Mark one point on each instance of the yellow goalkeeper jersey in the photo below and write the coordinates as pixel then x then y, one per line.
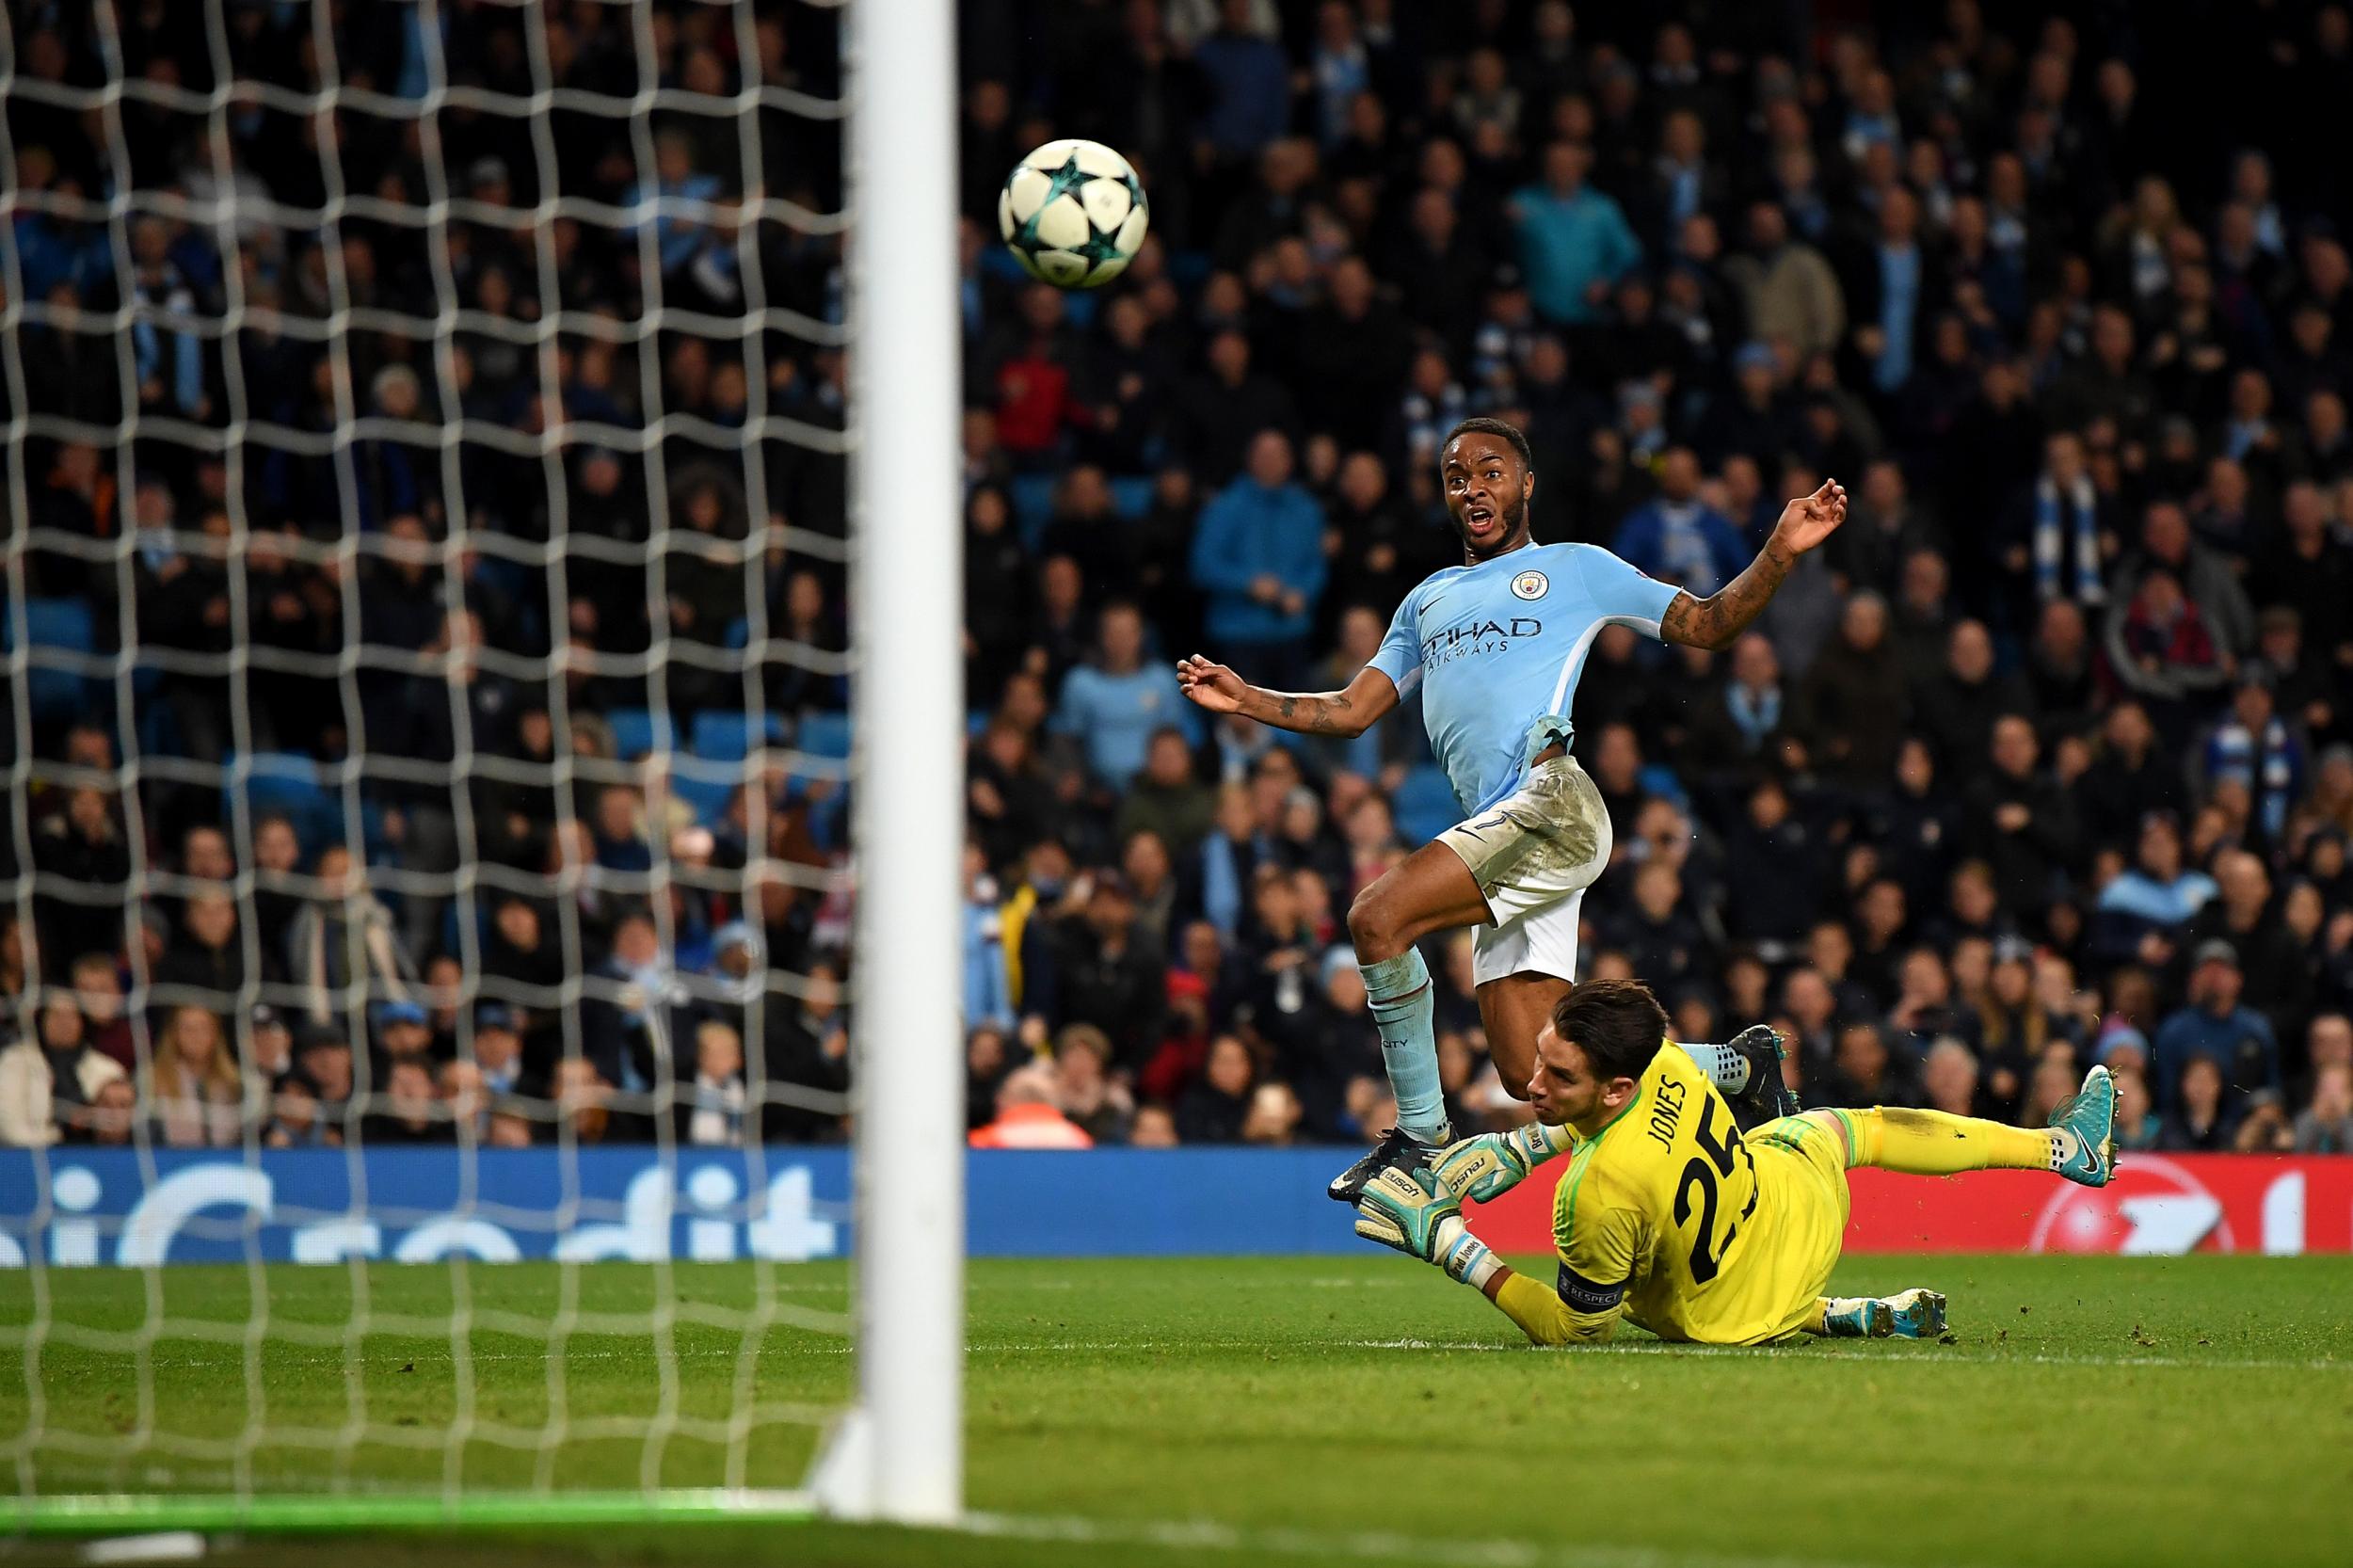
pixel 1702 1234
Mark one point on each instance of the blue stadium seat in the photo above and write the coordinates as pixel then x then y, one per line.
pixel 722 736
pixel 823 734
pixel 634 733
pixel 1424 807
pixel 707 791
pixel 67 626
pixel 287 784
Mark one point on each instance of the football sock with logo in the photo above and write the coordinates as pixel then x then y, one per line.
pixel 1933 1142
pixel 1397 990
pixel 1842 1316
pixel 1726 1068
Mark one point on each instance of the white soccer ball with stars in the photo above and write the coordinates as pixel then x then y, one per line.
pixel 1073 213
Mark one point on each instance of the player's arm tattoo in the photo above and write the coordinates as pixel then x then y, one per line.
pixel 1347 712
pixel 1311 712
pixel 1718 620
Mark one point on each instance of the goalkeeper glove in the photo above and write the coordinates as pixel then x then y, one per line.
pixel 1481 1169
pixel 1408 1210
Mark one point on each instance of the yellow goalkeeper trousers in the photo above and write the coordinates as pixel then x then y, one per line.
pixel 1934 1142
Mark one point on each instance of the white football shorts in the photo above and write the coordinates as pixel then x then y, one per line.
pixel 1534 854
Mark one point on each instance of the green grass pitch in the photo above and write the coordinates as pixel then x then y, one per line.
pixel 1360 1409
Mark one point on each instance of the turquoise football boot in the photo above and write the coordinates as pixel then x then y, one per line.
pixel 2083 1141
pixel 1916 1314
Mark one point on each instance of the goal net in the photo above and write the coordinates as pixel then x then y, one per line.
pixel 443 729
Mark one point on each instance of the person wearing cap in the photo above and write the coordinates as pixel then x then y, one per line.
pixel 739 957
pixel 268 1043
pixel 498 1047
pixel 2214 1025
pixel 323 1056
pixel 2120 1048
pixel 403 1033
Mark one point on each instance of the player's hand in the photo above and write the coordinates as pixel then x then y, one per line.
pixel 1210 684
pixel 1401 1208
pixel 1811 518
pixel 1481 1169
pixel 1410 1212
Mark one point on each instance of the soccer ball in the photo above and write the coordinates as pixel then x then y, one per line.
pixel 1073 213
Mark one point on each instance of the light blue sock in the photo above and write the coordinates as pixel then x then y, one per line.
pixel 1403 1009
pixel 1726 1068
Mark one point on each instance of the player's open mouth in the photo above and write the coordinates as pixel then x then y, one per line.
pixel 1478 517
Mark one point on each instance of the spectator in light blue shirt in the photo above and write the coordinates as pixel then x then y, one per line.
pixel 1114 706
pixel 173 360
pixel 1902 289
pixel 988 987
pixel 1258 554
pixel 1250 84
pixel 2155 898
pixel 1341 68
pixel 679 237
pixel 1575 241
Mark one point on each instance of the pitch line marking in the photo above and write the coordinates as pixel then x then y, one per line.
pixel 1363 1545
pixel 324 1354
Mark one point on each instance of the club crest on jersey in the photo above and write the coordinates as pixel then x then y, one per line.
pixel 1531 585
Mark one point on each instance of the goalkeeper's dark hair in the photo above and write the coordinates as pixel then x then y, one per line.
pixel 1502 429
pixel 1617 1023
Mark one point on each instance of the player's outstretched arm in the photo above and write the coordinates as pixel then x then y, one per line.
pixel 1408 1210
pixel 1348 713
pixel 1543 1317
pixel 1718 620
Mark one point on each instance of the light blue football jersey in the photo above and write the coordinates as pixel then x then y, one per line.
pixel 1498 647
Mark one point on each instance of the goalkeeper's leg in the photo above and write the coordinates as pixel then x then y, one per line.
pixel 2078 1144
pixel 1914 1314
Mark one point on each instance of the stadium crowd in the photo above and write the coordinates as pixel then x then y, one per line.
pixel 2045 759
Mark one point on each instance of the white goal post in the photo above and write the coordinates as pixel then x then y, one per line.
pixel 894 1452
pixel 901 1453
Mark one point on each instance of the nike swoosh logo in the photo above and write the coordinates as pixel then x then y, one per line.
pixel 1426 608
